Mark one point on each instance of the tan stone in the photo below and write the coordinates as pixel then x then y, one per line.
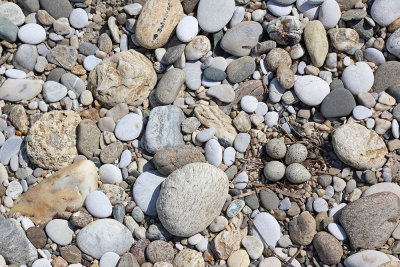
pixel 51 141
pixel 19 118
pixel 228 241
pixel 189 258
pixel 44 18
pixel 316 42
pixel 394 25
pixel 242 122
pixel 126 77
pixel 213 117
pixel 157 22
pixel 343 38
pixel 66 189
pixel 239 259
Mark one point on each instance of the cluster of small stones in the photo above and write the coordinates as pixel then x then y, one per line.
pixel 180 133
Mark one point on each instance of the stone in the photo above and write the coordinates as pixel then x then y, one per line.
pixel 387 75
pixel 338 103
pixel 343 39
pixel 214 16
pixel 266 228
pixel 361 113
pixel 384 12
pixel 311 90
pixel 239 258
pixel 285 30
pixel 193 74
pixel 277 57
pixel 222 92
pixel 104 235
pixel 329 13
pixel 129 127
pixel 328 248
pixel 73 83
pixel 78 18
pixel 8 30
pixel 240 39
pixel 302 229
pixel 59 232
pixel 25 58
pixel 374 55
pixel 197 48
pixel 189 257
pixel 53 91
pixel 359 147
pixel 157 21
pixel 10 148
pixel 14 245
pixel 57 9
pixel 51 141
pixel 71 254
pixel 159 250
pixel 297 173
pixel 98 205
pixel 128 260
pixel 173 212
pixel 214 74
pixel 164 128
pixel 134 73
pixel 382 187
pixel 274 170
pixel 392 43
pixel 20 89
pixel 109 259
pixel 63 56
pixel 81 218
pixel 366 215
pixel 370 258
pixel 316 42
pixel 276 148
pixel 240 69
pixel 29 5
pixel 169 86
pixel 214 117
pixel 269 200
pixel 12 12
pixel 170 159
pixel 19 118
pixel 146 191
pixel 285 77
pixel 88 138
pixel 253 246
pixel 37 237
pixel 187 29
pixel 111 153
pixel 42 202
pixel 278 9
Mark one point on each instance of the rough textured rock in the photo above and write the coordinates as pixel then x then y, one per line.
pixel 126 77
pixel 359 147
pixel 164 128
pixel 19 118
pixel 14 245
pixel 329 249
pixel 213 117
pixel 63 56
pixel 189 257
pixel 191 197
pixel 302 229
pixel 367 224
pixel 88 138
pixel 173 158
pixel 316 42
pixel 386 75
pixel 157 21
pixel 253 88
pixel 66 189
pixel 51 141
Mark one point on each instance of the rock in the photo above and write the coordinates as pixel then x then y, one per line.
pixel 361 113
pixel 12 12
pixel 174 51
pixel 8 30
pixel 37 236
pixel 193 74
pixel 274 170
pixel 134 73
pixel 213 152
pixel 366 215
pixel 173 212
pixel 214 74
pixel 213 117
pixel 78 18
pixel 81 218
pixel 387 75
pixel 297 173
pixel 370 258
pixel 20 89
pixel 266 228
pixel 10 148
pixel 343 39
pixel 104 235
pixel 308 8
pixel 384 12
pixel 278 9
pixel 189 257
pixel 14 245
pixel 338 103
pixel 239 258
pixel 98 205
pixel 392 43
pixel 59 232
pixel 222 92
pixel 316 42
pixel 374 55
pixel 159 250
pixel 197 48
pixel 169 86
pixel 240 69
pixel 115 193
pixel 171 159
pixel 88 138
pixel 329 13
pixel 25 58
pixel 19 118
pixel 128 260
pixel 240 39
pixel 229 240
pixel 382 187
pixel 157 21
pixel 146 191
pixel 71 254
pixel 253 246
pixel 277 57
pixel 51 142
pixel 45 200
pixel 285 77
pixel 285 30
pixel 214 16
pixel 302 229
pixel 359 147
pixel 58 8
pixel 164 128
pixel 29 5
pixel 329 249
pixel 187 29
pixel 53 91
pixel 63 56
pixel 111 153
pixel 73 83
pixel 129 127
pixel 276 148
pixel 109 259
pixel 311 90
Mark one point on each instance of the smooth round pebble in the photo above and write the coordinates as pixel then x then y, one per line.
pixel 274 170
pixel 98 204
pixel 109 259
pixel 213 152
pixel 32 33
pixel 78 18
pixel 320 205
pixel 129 127
pixel 229 156
pixel 276 148
pixel 249 103
pixel 59 231
pixel 110 174
pixel 187 29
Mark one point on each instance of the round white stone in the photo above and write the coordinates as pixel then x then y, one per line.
pixel 241 142
pixel 32 33
pixel 15 74
pixel 41 263
pixel 12 12
pixel 361 113
pixel 98 204
pixel 213 152
pixel 240 181
pixel 78 18
pixel 267 227
pixel 59 232
pixel 358 78
pixel 337 231
pixel 125 159
pixel 129 127
pixel 329 14
pixel 187 29
pixel 109 259
pixel 229 156
pixel 14 190
pixel 271 118
pixel 91 62
pixel 53 91
pixel 311 90
pixel 146 190
pixel 385 12
pixel 320 205
pixel 110 174
pixel 278 9
pixel 249 103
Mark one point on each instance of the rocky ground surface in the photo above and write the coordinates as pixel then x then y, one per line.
pixel 199 133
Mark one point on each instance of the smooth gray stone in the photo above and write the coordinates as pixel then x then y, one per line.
pixel 25 58
pixel 8 30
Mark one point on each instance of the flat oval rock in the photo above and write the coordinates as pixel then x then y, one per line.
pixel 214 15
pixel 340 102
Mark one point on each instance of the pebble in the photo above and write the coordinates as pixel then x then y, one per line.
pixel 98 204
pixel 205 135
pixel 358 78
pixel 369 258
pixel 15 74
pixel 25 58
pixel 316 41
pixel 235 207
pixel 32 34
pixel 109 259
pixel 41 263
pixel 266 226
pixel 187 29
pixel 239 258
pixel 91 62
pixel 193 74
pixel 271 118
pixel 78 18
pixel 384 12
pixel 146 187
pixel 249 103
pixel 308 9
pixel 197 48
pixel 329 13
pixel 278 9
pixel 374 55
pixel 53 91
pixel 73 83
pixel 129 127
pixel 337 231
pixel 213 152
pixel 213 16
pixel 229 156
pixel 59 232
pixel 361 113
pixel 169 86
pixel 253 246
pixel 110 174
pixel 8 30
pixel 274 170
pixel 311 90
pixel 12 12
pixel 297 173
pixel 14 190
pixel 222 92
pixel 328 248
pixel 320 205
pixel 240 181
pixel 338 103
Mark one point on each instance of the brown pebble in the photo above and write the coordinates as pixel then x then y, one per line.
pixel 71 254
pixel 138 250
pixel 59 262
pixel 81 218
pixel 37 237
